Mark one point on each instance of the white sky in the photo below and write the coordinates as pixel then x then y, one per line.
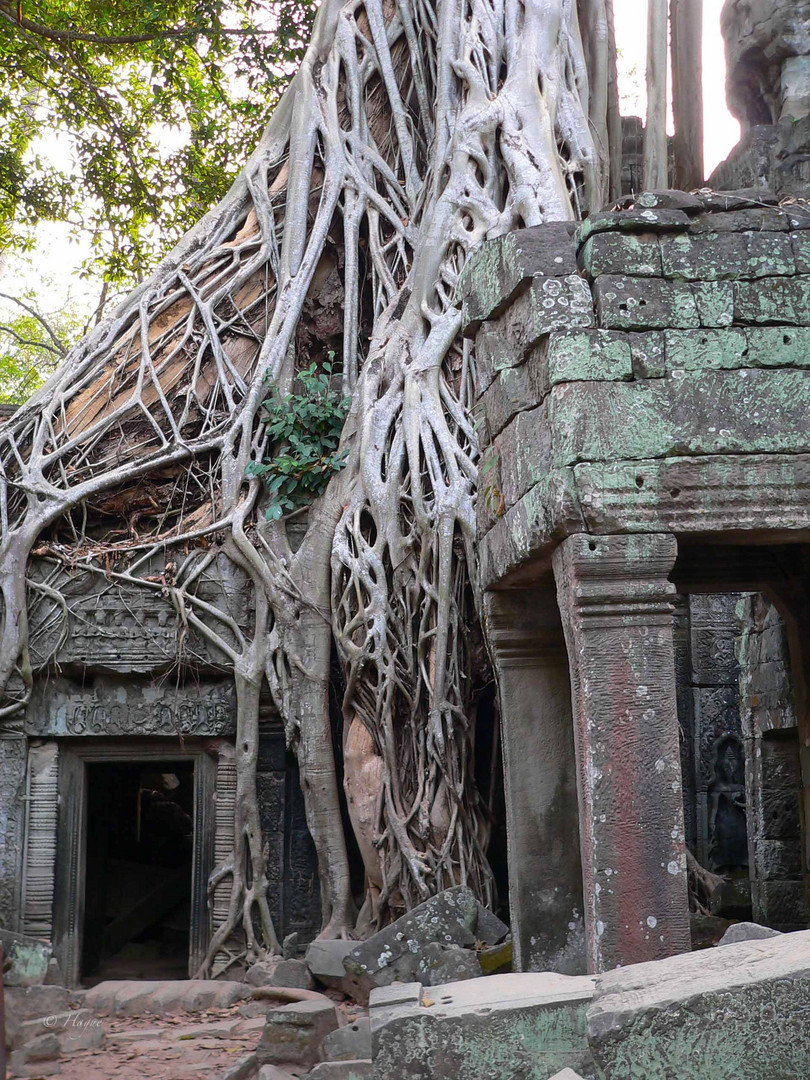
pixel 60 258
pixel 722 131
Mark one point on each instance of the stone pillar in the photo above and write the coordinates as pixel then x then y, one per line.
pixel 545 876
pixel 616 606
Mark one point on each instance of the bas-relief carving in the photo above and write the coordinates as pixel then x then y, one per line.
pixel 124 628
pixel 114 708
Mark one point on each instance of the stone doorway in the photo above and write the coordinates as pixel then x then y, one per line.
pixel 137 889
pixel 136 828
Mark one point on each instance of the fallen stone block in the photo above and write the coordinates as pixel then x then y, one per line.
pixel 276 971
pixel 719 1012
pixel 566 1074
pixel 507 1026
pixel 325 960
pixel 272 1072
pixel 747 931
pixel 79 1029
pixel 454 917
pixel 25 959
pixel 164 998
pixel 439 964
pixel 342 1070
pixel 349 1043
pixel 293 1034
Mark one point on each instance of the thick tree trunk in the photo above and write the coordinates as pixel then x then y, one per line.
pixel 656 168
pixel 686 18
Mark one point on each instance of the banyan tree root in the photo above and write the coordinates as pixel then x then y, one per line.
pixel 414 130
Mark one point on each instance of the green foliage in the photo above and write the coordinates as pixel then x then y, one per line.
pixel 304 428
pixel 31 346
pixel 130 119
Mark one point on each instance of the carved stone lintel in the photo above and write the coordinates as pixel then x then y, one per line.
pixel 616 605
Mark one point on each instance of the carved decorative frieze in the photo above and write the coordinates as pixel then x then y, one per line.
pixel 12 825
pixel 115 709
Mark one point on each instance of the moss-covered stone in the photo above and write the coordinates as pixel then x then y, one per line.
pixel 617 253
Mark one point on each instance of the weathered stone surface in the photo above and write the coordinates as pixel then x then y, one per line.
pixel 726 256
pixel 773 300
pixel 640 220
pixel 695 350
pixel 439 964
pixel 647 351
pixel 451 918
pixel 496 270
pixel 747 931
pixel 272 1072
pixel 629 304
pixel 79 1029
pixel 351 1042
pixel 294 1033
pixel 513 390
pixel 25 960
pixel 757 219
pixel 616 606
pixel 342 1070
pixel 168 997
pixel 566 1074
pixel 513 1027
pixel 13 758
pixel 325 960
pixel 618 253
pixel 276 971
pixel 595 355
pixel 670 199
pixel 700 1015
pixel 524 451
pixel 714 412
pixel 42 1048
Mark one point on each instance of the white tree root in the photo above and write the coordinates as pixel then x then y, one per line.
pixel 414 130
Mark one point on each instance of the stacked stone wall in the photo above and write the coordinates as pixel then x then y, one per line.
pixel 635 374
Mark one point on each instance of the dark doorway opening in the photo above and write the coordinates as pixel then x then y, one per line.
pixel 140 838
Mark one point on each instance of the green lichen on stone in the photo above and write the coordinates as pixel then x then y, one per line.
pixel 777 301
pixel 715 302
pixel 692 350
pixel 618 253
pixel 711 412
pixel 595 355
pixel 726 257
pixel 778 346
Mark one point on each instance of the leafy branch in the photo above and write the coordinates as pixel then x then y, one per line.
pixel 305 429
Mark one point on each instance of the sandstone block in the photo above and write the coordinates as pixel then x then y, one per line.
pixel 747 931
pixel 505 1026
pixel 648 355
pixel 277 971
pixel 773 300
pixel 625 303
pixel 342 1070
pixel 755 219
pixel 498 268
pixel 294 1033
pixel 670 199
pixel 712 412
pixel 620 253
pixel 591 355
pixel 727 256
pixel 325 960
pixel 693 350
pixel 272 1072
pixel 393 954
pixel 513 390
pixel 728 1011
pixel 438 964
pixel 524 450
pixel 349 1043
pixel 642 219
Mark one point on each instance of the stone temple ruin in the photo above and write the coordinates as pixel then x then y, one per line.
pixel 643 524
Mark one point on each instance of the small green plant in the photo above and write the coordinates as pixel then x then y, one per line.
pixel 304 429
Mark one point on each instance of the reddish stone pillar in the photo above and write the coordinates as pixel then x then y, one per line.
pixel 616 607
